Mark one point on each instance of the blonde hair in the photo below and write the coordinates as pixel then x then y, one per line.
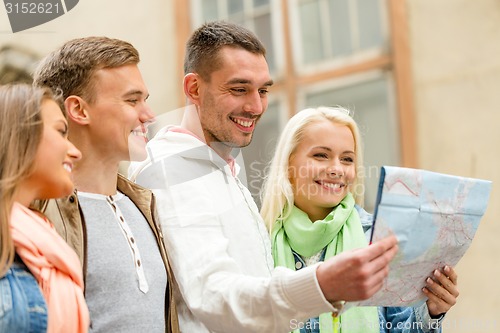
pixel 277 194
pixel 21 130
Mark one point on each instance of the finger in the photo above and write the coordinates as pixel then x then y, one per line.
pixel 380 247
pixel 436 300
pixel 441 292
pixel 435 304
pixel 446 282
pixel 451 274
pixel 377 277
pixel 382 261
pixel 376 287
pixel 433 298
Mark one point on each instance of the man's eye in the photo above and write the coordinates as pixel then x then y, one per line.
pixel 263 91
pixel 238 90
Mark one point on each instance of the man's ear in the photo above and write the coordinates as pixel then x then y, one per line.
pixel 75 107
pixel 192 87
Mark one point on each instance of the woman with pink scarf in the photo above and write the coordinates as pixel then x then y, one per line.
pixel 41 284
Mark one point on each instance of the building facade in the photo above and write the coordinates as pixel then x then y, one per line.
pixel 420 76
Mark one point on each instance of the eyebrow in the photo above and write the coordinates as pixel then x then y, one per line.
pixel 321 147
pixel 269 83
pixel 329 149
pixel 135 92
pixel 246 81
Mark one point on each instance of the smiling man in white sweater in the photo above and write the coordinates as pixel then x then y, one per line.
pixel 218 245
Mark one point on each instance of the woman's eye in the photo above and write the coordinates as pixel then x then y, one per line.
pixel 348 159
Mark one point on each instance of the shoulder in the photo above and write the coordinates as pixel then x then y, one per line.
pixel 140 196
pixel 126 186
pixel 23 306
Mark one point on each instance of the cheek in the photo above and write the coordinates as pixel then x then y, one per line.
pixel 296 174
pixel 352 172
pixel 45 153
pixel 350 175
pixel 296 181
pixel 303 171
pixel 303 182
pixel 265 103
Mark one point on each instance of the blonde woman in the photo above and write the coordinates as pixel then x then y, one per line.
pixel 311 203
pixel 41 285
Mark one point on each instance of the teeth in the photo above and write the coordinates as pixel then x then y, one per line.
pixel 67 167
pixel 243 123
pixel 332 185
pixel 137 133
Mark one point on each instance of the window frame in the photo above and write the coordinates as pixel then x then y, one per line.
pixel 332 63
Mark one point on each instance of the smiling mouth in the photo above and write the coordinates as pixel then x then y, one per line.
pixel 141 131
pixel 141 134
pixel 68 167
pixel 333 186
pixel 243 123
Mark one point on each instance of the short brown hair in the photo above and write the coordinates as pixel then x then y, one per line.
pixel 70 68
pixel 203 47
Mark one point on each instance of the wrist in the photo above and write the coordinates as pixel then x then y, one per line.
pixel 338 306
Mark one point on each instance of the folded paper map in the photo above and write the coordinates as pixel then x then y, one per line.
pixel 434 217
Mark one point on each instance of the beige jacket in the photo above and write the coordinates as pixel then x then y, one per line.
pixel 68 220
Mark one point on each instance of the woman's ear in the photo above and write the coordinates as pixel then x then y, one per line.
pixel 75 108
pixel 192 87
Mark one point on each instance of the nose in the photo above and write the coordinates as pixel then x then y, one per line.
pixel 255 103
pixel 146 115
pixel 73 152
pixel 335 169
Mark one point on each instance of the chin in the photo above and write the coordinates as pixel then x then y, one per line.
pixel 332 203
pixel 58 191
pixel 242 143
pixel 137 151
pixel 67 189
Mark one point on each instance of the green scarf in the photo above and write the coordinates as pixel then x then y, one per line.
pixel 340 231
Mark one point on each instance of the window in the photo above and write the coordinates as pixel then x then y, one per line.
pixel 338 30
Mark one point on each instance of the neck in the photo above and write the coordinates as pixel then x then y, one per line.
pixel 314 214
pixel 222 150
pixel 24 195
pixel 191 122
pixel 319 216
pixel 96 176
